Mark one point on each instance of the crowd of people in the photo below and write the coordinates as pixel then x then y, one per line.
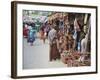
pixel 29 32
pixel 64 36
pixel 61 35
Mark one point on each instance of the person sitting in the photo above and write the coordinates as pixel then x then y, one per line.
pixel 84 44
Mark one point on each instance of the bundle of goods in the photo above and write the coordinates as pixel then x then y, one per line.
pixel 67 57
pixel 76 55
pixel 75 59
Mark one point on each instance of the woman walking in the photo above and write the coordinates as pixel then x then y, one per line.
pixel 31 35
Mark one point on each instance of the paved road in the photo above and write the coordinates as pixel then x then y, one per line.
pixel 37 56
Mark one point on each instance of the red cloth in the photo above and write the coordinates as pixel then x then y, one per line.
pixel 25 32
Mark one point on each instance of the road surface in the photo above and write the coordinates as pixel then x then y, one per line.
pixel 37 56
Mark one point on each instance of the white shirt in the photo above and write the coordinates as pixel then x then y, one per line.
pixel 51 35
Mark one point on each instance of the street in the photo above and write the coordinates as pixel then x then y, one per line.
pixel 37 56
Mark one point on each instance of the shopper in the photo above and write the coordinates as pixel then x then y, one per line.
pixel 25 30
pixel 31 35
pixel 42 33
pixel 52 37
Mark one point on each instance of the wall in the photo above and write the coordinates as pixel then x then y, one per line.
pixel 5 40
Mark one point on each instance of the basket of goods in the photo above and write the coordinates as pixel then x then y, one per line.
pixel 76 55
pixel 66 52
pixel 64 56
pixel 76 63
